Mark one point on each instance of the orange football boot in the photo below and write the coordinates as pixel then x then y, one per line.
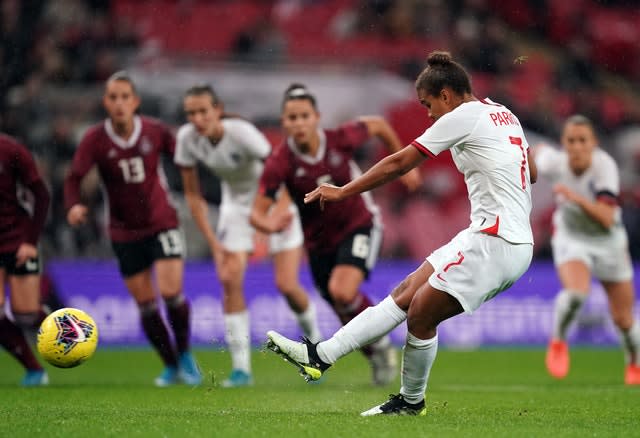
pixel 632 375
pixel 557 359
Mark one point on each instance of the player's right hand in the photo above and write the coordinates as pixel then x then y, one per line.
pixel 280 220
pixel 25 252
pixel 77 215
pixel 324 192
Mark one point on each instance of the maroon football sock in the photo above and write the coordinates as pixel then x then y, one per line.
pixel 157 333
pixel 179 312
pixel 13 340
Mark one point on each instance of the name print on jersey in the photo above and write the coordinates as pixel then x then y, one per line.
pixel 501 118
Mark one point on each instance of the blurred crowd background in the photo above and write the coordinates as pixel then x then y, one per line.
pixel 543 59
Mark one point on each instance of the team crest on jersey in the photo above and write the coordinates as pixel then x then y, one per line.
pixel 335 159
pixel 112 153
pixel 300 172
pixel 145 146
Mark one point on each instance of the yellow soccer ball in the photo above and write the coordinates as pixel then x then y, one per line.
pixel 67 338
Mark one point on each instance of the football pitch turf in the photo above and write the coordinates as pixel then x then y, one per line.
pixel 480 393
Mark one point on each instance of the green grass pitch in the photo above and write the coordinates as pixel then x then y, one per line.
pixel 488 393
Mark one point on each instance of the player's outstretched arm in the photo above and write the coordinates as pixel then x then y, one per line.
pixel 387 169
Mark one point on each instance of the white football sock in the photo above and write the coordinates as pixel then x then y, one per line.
pixel 367 327
pixel 631 343
pixel 309 323
pixel 418 356
pixel 566 307
pixel 237 338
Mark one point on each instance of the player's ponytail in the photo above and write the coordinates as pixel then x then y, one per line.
pixel 442 71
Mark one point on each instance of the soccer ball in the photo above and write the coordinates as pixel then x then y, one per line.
pixel 67 337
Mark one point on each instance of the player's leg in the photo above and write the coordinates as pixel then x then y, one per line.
pixel 621 302
pixel 456 285
pixel 14 341
pixel 428 309
pixel 287 273
pixel 168 254
pixel 135 260
pixel 368 326
pixel 141 288
pixel 25 301
pixel 356 257
pixel 575 277
pixel 231 271
pixel 349 301
pixel 169 275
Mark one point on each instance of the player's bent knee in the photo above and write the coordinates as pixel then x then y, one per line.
pixel 421 327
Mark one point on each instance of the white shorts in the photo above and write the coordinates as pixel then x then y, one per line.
pixel 234 231
pixel 291 237
pixel 475 267
pixel 608 260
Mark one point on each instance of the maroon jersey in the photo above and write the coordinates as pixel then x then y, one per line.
pixel 324 229
pixel 139 204
pixel 23 198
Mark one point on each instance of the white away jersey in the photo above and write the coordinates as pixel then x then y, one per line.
pixel 237 159
pixel 600 181
pixel 489 148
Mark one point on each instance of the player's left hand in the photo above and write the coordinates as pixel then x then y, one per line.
pixel 412 179
pixel 323 193
pixel 25 252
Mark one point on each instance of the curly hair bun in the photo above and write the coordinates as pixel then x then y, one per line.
pixel 439 59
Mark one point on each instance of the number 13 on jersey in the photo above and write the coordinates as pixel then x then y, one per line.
pixel 132 169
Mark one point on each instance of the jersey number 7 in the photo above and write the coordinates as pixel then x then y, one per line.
pixel 517 141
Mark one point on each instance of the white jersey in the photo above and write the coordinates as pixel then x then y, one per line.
pixel 489 148
pixel 600 180
pixel 237 159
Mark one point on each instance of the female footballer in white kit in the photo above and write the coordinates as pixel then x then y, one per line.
pixel 589 238
pixel 234 150
pixel 488 146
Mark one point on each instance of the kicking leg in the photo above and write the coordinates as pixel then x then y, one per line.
pixel 365 328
